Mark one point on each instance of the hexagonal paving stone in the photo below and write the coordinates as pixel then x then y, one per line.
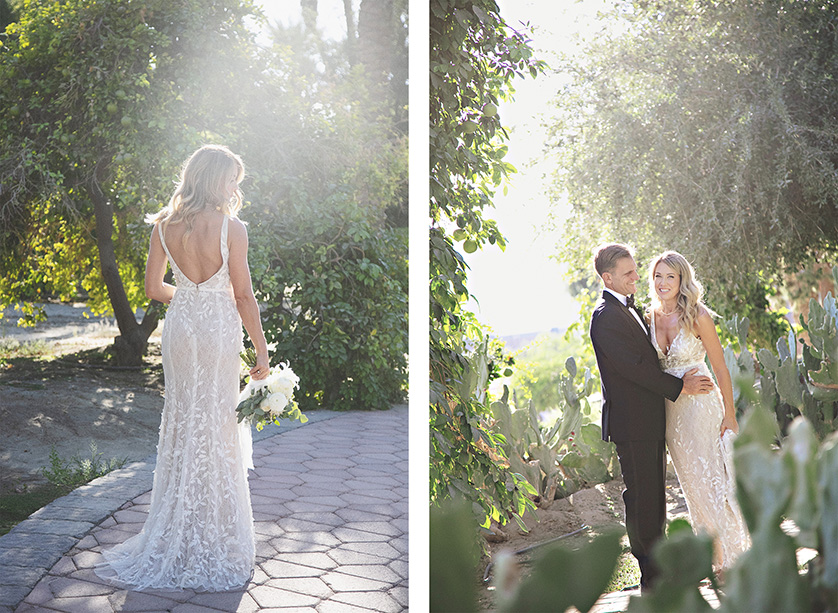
pixel 400 567
pixel 400 595
pixel 129 516
pixel 347 535
pixel 294 545
pixel 311 586
pixel 139 601
pixel 334 606
pixel 392 510
pixel 331 503
pixel 316 560
pixel 88 604
pixel 237 600
pixel 267 528
pixel 73 588
pixel 292 524
pixel 321 517
pixel 342 556
pixel 383 550
pixel 376 527
pixel 267 596
pixel 370 571
pixel 64 566
pixel 276 569
pixel 341 582
pixel 371 496
pixel 319 538
pixel 377 601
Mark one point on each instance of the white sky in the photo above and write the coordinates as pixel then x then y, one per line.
pixel 521 290
pixel 330 19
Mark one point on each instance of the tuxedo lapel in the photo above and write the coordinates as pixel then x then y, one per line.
pixel 612 299
pixel 643 320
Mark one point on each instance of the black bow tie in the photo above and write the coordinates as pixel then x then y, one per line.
pixel 630 301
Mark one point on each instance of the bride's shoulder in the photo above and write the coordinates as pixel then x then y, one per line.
pixel 705 314
pixel 704 323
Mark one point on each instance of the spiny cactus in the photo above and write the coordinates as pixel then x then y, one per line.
pixel 568 455
pixel 809 386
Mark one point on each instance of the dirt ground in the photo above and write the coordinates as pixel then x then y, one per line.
pixel 54 403
pixel 596 508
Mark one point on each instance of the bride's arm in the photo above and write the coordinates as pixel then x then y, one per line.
pixel 245 300
pixel 155 270
pixel 706 330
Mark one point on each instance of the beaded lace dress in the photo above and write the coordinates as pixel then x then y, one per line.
pixel 199 530
pixel 702 459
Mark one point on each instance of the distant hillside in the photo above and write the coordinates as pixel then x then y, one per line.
pixel 515 342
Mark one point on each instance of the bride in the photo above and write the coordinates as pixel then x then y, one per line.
pixel 199 530
pixel 699 429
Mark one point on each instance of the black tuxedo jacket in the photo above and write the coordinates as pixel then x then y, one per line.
pixel 633 385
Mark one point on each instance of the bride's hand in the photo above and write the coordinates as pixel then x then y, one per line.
pixel 729 423
pixel 261 369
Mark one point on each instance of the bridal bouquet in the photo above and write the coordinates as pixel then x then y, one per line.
pixel 270 399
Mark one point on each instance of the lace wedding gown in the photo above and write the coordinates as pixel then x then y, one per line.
pixel 199 530
pixel 703 460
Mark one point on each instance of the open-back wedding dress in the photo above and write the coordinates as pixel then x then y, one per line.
pixel 703 460
pixel 199 531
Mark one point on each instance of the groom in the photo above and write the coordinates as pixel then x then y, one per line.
pixel 633 407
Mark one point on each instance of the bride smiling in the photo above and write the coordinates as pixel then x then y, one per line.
pixel 699 428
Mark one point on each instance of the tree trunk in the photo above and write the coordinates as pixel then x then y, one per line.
pixel 376 37
pixel 309 10
pixel 130 346
pixel 351 32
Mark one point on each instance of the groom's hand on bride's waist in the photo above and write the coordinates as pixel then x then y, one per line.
pixel 696 384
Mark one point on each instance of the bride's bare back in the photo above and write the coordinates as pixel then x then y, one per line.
pixel 201 258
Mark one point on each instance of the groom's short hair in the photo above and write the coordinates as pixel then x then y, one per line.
pixel 606 256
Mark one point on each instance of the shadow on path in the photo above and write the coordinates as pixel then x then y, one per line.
pixel 330 506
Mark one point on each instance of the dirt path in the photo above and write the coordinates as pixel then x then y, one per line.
pixel 50 403
pixel 597 508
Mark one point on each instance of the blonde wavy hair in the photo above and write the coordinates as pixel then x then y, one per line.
pixel 690 292
pixel 201 188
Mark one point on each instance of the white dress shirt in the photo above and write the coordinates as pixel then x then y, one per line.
pixel 622 299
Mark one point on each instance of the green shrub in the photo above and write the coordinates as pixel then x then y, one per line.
pixel 334 281
pixel 70 474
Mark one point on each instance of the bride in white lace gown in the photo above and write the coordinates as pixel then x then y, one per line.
pixel 699 429
pixel 199 530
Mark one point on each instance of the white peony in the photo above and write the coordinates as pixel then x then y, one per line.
pixel 283 380
pixel 275 403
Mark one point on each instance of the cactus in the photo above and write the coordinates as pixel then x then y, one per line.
pixel 562 578
pixel 568 455
pixel 809 386
pixel 741 365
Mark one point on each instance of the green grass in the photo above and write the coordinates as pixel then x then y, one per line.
pixel 63 475
pixel 70 474
pixel 11 349
pixel 15 507
pixel 627 573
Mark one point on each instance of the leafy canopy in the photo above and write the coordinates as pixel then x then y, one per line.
pixel 709 128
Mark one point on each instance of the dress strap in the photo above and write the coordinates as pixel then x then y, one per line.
pixel 225 250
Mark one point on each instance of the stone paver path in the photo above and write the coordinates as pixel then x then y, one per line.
pixel 330 506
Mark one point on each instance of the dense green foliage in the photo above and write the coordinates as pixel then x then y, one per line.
pixel 474 57
pixel 97 106
pixel 796 481
pixel 539 367
pixel 791 400
pixel 103 100
pixel 709 128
